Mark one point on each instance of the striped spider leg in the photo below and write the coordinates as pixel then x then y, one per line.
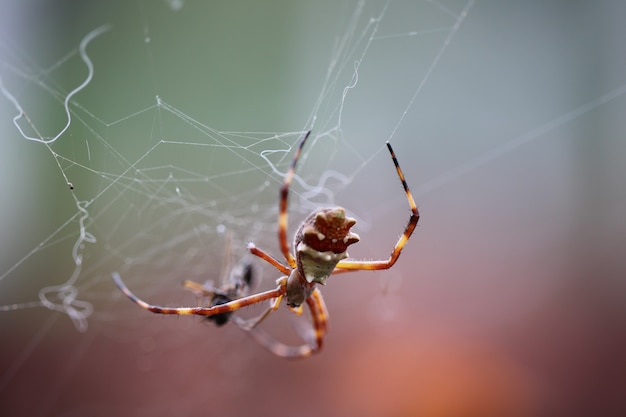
pixel 217 309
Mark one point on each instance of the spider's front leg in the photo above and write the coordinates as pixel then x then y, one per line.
pixel 408 230
pixel 249 324
pixel 200 311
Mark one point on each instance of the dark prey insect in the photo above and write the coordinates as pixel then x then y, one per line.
pixel 236 283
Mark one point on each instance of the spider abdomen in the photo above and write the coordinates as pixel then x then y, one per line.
pixel 317 266
pixel 322 241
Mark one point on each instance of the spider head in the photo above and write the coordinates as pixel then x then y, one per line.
pixel 322 241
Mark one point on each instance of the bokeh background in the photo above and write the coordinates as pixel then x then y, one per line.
pixel 508 123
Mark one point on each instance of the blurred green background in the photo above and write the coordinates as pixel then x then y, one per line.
pixel 508 300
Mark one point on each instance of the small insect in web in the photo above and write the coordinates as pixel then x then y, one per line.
pixel 236 283
pixel 320 247
pixel 241 278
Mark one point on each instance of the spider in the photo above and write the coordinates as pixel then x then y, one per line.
pixel 320 246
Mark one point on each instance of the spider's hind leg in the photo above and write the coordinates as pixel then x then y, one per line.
pixel 313 339
pixel 249 324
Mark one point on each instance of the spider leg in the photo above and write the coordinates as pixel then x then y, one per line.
pixel 410 227
pixel 268 258
pixel 201 311
pixel 319 316
pixel 249 324
pixel 284 197
pixel 215 295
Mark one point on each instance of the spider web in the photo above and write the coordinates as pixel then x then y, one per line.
pixel 144 138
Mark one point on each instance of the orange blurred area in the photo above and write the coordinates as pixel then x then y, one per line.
pixel 434 378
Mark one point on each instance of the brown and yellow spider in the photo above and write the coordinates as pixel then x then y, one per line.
pixel 320 246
